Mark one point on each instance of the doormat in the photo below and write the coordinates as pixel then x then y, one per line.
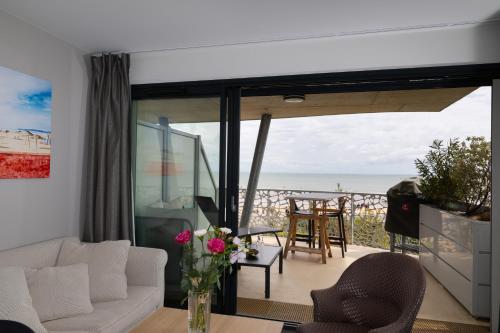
pixel 301 313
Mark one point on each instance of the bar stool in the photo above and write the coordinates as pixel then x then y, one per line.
pixel 297 214
pixel 315 216
pixel 341 239
pixel 308 215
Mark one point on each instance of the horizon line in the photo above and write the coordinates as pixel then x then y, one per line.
pixel 338 173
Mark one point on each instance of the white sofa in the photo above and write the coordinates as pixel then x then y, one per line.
pixel 145 279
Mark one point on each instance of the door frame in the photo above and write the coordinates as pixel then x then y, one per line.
pixel 232 192
pixel 474 75
pixel 352 81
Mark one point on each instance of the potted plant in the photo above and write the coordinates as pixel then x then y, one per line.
pixel 205 257
pixel 455 178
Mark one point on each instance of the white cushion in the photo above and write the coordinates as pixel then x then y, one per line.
pixel 15 300
pixel 60 292
pixel 36 255
pixel 113 317
pixel 107 262
pixel 72 331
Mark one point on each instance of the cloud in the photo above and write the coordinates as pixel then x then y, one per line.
pixel 25 101
pixel 382 143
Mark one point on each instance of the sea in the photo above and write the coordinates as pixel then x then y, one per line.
pixel 360 183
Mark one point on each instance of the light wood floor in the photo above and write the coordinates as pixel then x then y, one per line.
pixel 303 272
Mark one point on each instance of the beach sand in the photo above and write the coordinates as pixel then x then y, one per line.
pixel 22 141
pixel 24 154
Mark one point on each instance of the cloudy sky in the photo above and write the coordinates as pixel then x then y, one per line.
pixel 382 143
pixel 25 101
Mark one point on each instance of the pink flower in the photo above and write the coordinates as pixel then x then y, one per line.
pixel 216 245
pixel 183 238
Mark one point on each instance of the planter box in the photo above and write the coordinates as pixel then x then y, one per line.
pixel 456 251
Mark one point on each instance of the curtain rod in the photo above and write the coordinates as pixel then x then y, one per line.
pixel 100 54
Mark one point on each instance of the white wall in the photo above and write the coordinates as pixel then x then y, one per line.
pixel 412 48
pixel 33 210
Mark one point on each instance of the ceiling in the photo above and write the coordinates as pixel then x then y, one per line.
pixel 252 108
pixel 133 25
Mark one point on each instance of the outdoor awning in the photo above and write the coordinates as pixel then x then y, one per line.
pixel 252 108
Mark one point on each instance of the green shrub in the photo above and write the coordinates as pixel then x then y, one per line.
pixel 457 176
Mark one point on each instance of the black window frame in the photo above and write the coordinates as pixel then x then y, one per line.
pixel 231 91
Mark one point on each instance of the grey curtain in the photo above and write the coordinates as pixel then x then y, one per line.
pixel 107 207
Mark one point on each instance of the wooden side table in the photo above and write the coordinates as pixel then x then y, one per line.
pixel 169 320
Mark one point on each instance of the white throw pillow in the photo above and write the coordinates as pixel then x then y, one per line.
pixel 15 300
pixel 107 262
pixel 60 292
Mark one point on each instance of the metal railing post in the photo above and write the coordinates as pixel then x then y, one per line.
pixel 353 213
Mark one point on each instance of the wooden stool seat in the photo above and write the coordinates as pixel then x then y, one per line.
pixel 305 213
pixel 341 239
pixel 322 220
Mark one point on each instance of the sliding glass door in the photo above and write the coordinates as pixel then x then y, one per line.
pixel 180 154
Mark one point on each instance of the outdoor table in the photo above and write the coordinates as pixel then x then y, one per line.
pixel 318 214
pixel 266 257
pixel 254 231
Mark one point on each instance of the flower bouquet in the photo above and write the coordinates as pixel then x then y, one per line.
pixel 206 255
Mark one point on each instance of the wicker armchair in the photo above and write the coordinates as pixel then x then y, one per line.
pixel 378 293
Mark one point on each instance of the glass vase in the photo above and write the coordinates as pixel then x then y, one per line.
pixel 199 304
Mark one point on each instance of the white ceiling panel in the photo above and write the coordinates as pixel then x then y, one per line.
pixel 132 25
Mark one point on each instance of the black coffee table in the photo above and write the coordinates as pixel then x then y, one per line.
pixel 266 257
pixel 262 230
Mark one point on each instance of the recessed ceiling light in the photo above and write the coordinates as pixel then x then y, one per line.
pixel 294 98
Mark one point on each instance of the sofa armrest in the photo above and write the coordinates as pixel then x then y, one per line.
pixel 146 267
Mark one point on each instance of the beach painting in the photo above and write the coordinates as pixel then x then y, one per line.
pixel 25 125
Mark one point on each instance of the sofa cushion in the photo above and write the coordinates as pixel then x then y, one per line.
pixel 37 255
pixel 107 263
pixel 60 292
pixel 115 316
pixel 79 331
pixel 15 300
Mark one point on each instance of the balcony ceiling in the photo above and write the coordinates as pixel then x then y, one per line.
pixel 207 109
pixel 132 25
